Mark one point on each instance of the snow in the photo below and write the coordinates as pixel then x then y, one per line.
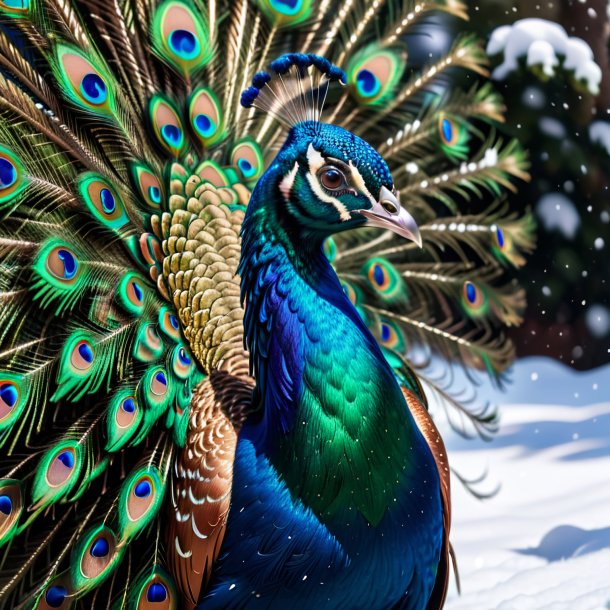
pixel 544 45
pixel 556 211
pixel 599 132
pixel 543 541
pixel 597 319
pixel 533 97
pixel 552 127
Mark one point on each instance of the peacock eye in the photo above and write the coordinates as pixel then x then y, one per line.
pixel 332 179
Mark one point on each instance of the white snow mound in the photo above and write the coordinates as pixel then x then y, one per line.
pixel 543 541
pixel 546 45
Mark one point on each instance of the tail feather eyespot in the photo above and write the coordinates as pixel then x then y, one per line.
pixel 167 125
pixel 180 37
pixel 139 501
pixel 12 176
pixel 14 394
pixel 385 279
pixel 57 472
pixel 95 555
pixel 206 117
pixel 122 419
pixel 103 201
pixel 474 299
pixel 374 72
pixel 86 83
pixel 11 507
pixel 155 591
pixel 247 157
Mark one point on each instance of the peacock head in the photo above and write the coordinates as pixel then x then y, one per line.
pixel 330 180
pixel 327 179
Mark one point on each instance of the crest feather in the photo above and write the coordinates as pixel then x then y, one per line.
pixel 295 89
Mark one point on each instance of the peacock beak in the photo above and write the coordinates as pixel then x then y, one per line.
pixel 388 214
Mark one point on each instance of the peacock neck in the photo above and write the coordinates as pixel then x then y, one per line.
pixel 332 418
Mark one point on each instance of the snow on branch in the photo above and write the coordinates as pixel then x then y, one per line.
pixel 544 46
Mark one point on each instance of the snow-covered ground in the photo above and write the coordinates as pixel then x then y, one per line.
pixel 543 541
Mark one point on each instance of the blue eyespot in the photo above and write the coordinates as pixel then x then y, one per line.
pixel 8 174
pixel 18 4
pixel 137 291
pixel 9 394
pixel 94 88
pixel 246 167
pixel 154 192
pixel 66 458
pixel 287 7
pixel 70 263
pixel 128 405
pixel 500 237
pixel 378 275
pixel 86 353
pixel 205 126
pixel 183 356
pixel 156 592
pixel 184 44
pixel 55 596
pixel 471 292
pixel 172 134
pixel 386 333
pixel 174 321
pixel 447 130
pixel 160 377
pixel 108 202
pixel 368 83
pixel 142 489
pixel 100 548
pixel 6 505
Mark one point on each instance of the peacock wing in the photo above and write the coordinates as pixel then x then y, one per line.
pixel 201 482
pixel 428 428
pixel 201 234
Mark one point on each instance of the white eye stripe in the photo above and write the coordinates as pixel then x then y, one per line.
pixel 315 159
pixel 288 181
pixel 359 183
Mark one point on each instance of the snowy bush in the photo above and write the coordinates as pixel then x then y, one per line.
pixel 545 47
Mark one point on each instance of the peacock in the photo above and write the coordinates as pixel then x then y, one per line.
pixel 234 238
